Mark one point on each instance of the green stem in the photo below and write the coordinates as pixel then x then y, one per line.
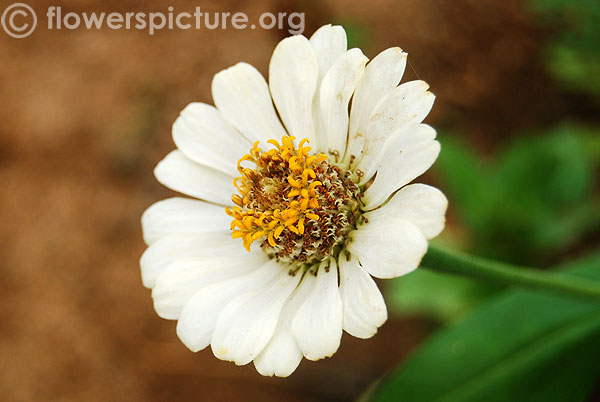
pixel 445 260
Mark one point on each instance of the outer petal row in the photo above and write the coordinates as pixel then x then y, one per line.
pixel 335 92
pixel 182 216
pixel 404 106
pixel 179 173
pixel 242 96
pixel 202 134
pixel 364 307
pixel 329 44
pixel 282 355
pixel 422 205
pixel 381 76
pixel 393 239
pixel 407 155
pixel 293 75
pixel 202 312
pixel 388 249
pixel 180 280
pixel 168 249
pixel 248 322
pixel 317 325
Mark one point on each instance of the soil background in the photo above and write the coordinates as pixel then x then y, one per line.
pixel 85 117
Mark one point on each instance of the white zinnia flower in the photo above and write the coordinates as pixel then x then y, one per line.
pixel 319 223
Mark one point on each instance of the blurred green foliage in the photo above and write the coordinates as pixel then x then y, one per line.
pixel 534 199
pixel 573 53
pixel 517 346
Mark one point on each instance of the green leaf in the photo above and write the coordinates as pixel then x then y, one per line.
pixel 532 200
pixel 507 350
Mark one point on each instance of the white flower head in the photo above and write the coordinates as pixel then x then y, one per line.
pixel 276 257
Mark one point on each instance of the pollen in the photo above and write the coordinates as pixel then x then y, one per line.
pixel 298 205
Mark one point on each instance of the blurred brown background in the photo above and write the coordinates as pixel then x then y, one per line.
pixel 86 115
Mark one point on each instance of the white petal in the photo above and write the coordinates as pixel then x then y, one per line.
pixel 364 307
pixel 179 173
pixel 242 96
pixel 248 322
pixel 165 250
pixel 388 249
pixel 329 43
pixel 317 326
pixel 203 136
pixel 406 105
pixel 420 204
pixel 282 355
pixel 407 155
pixel 199 316
pixel 337 88
pixel 293 75
pixel 382 74
pixel 182 216
pixel 183 278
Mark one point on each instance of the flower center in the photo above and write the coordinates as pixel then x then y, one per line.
pixel 300 205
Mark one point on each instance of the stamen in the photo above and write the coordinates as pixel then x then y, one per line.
pixel 299 203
